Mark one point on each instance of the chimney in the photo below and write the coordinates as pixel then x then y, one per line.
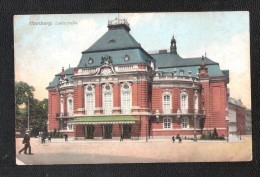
pixel 164 51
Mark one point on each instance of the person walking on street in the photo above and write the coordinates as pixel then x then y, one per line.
pixel 43 137
pixel 173 139
pixel 66 137
pixel 26 142
pixel 180 139
pixel 49 138
pixel 121 137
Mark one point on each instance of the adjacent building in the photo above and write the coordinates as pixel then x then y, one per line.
pixel 237 117
pixel 119 89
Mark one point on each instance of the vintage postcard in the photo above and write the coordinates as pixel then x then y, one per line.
pixel 132 88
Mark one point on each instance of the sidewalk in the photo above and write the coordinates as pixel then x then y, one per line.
pixel 18 162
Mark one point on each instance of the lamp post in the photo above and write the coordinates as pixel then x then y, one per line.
pixel 157 115
pixel 195 132
pixel 227 120
pixel 195 113
pixel 240 132
pixel 28 111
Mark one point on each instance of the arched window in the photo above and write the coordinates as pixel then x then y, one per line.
pixel 167 102
pixel 61 106
pixel 126 95
pixel 185 123
pixel 89 99
pixel 167 123
pixel 107 98
pixel 184 101
pixel 70 105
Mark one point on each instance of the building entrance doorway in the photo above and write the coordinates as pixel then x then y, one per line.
pixel 127 129
pixel 107 131
pixel 89 131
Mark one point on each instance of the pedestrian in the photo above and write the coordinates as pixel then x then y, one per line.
pixel 43 137
pixel 40 137
pixel 173 139
pixel 180 139
pixel 26 142
pixel 49 138
pixel 66 137
pixel 121 137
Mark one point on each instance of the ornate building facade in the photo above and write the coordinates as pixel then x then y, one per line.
pixel 120 89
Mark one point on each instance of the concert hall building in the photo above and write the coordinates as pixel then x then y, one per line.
pixel 120 89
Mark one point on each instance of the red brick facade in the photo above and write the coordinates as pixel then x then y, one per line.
pixel 161 102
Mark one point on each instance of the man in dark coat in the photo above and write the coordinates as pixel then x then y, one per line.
pixel 26 142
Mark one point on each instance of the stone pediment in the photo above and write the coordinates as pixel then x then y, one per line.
pixel 106 67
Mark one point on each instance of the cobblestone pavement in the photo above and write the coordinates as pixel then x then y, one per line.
pixel 133 151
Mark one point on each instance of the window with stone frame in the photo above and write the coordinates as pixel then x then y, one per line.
pixel 167 102
pixel 196 102
pixel 167 123
pixel 107 99
pixel 70 106
pixel 69 126
pixel 184 123
pixel 89 99
pixel 184 102
pixel 126 101
pixel 197 123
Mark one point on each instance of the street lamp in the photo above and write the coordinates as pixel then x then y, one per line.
pixel 227 120
pixel 195 113
pixel 195 132
pixel 157 115
pixel 28 111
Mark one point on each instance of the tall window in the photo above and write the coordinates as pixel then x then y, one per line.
pixel 89 99
pixel 107 99
pixel 167 106
pixel 69 105
pixel 196 102
pixel 167 123
pixel 61 106
pixel 185 123
pixel 184 102
pixel 197 122
pixel 126 101
pixel 69 127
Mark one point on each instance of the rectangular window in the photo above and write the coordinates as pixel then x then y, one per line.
pixel 167 123
pixel 69 127
pixel 108 103
pixel 184 103
pixel 166 104
pixel 185 123
pixel 89 103
pixel 126 102
pixel 197 123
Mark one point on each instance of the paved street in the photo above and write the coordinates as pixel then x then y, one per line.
pixel 133 151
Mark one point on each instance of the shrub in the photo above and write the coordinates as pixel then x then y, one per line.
pixel 215 134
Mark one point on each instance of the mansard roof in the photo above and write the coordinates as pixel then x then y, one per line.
pixel 68 74
pixel 117 56
pixel 213 70
pixel 117 42
pixel 114 39
pixel 166 60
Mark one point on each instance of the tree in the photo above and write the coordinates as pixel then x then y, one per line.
pixel 38 110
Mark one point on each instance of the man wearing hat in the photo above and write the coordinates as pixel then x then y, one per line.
pixel 26 142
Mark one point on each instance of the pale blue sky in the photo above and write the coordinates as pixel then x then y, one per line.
pixel 41 51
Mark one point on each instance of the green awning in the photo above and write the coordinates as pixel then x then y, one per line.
pixel 105 120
